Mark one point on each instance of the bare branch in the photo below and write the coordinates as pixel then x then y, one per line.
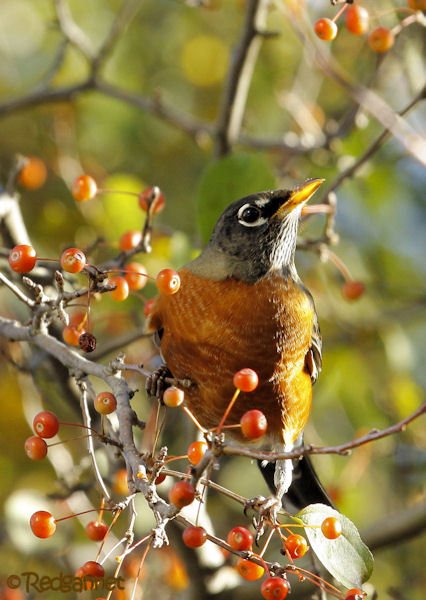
pixel 240 76
pixel 342 449
pixel 72 32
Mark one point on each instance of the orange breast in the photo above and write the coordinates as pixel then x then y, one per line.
pixel 214 328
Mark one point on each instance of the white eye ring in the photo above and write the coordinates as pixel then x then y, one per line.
pixel 256 223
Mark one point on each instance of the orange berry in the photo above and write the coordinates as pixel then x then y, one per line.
pixel 352 290
pixel 331 528
pixel 249 570
pixel 168 282
pixel 355 594
pixel 120 484
pixel 381 39
pixel 173 396
pixel 73 260
pixel 71 335
pixel 84 188
pixel 357 19
pixel 136 276
pixel 196 451
pixel 130 239
pixel 246 380
pixel 22 258
pixel 182 494
pixel 296 546
pixel 33 173
pixel 121 290
pixel 152 198
pixel 105 403
pixel 325 29
pixel 42 524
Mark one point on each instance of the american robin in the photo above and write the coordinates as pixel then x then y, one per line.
pixel 242 304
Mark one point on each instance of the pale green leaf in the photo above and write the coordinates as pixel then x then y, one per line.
pixel 347 558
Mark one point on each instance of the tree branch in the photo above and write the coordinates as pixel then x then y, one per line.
pixel 239 76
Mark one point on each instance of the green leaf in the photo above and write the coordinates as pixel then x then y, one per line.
pixel 226 180
pixel 347 558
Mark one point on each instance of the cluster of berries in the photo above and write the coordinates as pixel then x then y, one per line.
pixel 357 21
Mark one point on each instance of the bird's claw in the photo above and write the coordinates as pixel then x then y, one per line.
pixel 156 384
pixel 266 509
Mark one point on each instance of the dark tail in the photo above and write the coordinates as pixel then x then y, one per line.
pixel 305 488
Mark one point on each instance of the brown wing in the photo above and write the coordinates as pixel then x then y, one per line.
pixel 313 359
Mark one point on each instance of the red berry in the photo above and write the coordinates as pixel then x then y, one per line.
pixel 93 568
pixel 325 29
pixel 381 39
pixel 71 335
pixel 136 276
pixel 152 198
pixel 22 258
pixel 357 19
pixel 73 260
pixel 160 478
pixel 121 290
pixel 46 424
pixel 275 588
pixel 246 380
pixel 84 188
pixel 352 290
pixel 296 546
pixel 196 451
pixel 253 424
pixel 130 239
pixel 43 524
pixel 354 594
pixel 331 528
pixel 96 530
pixel 240 538
pixel 35 447
pixel 249 570
pixel 194 537
pixel 173 396
pixel 105 403
pixel 182 494
pixel 33 173
pixel 168 282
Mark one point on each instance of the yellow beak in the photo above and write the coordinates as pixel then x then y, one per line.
pixel 301 194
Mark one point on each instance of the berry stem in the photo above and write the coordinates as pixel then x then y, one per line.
pixel 93 431
pixel 328 254
pixel 84 512
pixel 80 437
pixel 194 420
pixel 340 12
pixel 228 410
pixel 121 192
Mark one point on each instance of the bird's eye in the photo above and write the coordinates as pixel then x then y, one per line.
pixel 250 216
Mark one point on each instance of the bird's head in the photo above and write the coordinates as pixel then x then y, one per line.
pixel 257 234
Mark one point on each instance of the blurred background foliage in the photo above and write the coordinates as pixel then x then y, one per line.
pixel 374 349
